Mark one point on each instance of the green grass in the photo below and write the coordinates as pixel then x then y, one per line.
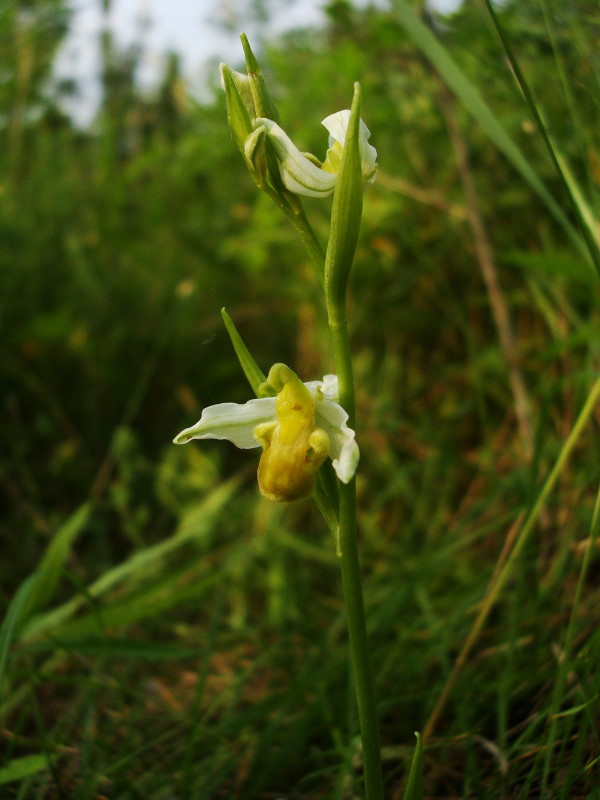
pixel 168 633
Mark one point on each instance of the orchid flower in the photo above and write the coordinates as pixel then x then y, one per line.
pixel 252 114
pixel 297 429
pixel 299 172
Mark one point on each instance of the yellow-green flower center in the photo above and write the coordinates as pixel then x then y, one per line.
pixel 293 448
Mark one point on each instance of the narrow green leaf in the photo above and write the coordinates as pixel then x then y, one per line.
pixel 252 371
pixel 128 610
pixel 194 525
pixel 473 102
pixel 20 768
pixel 53 561
pixel 15 613
pixel 414 787
pixel 37 590
pixel 585 212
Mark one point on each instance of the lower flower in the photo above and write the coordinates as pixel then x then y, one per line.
pixel 298 429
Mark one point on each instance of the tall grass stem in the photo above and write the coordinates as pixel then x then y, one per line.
pixel 500 576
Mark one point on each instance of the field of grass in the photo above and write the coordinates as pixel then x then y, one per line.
pixel 166 632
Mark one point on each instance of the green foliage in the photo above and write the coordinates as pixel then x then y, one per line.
pixel 167 632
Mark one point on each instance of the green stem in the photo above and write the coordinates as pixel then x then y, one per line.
pixel 308 238
pixel 351 580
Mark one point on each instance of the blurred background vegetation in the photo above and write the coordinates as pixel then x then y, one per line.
pixel 187 637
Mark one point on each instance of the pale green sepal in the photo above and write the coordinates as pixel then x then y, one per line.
pixel 255 153
pixel 346 213
pixel 299 174
pixel 285 198
pixel 252 371
pixel 263 102
pixel 242 85
pixel 414 787
pixel 234 422
pixel 314 160
pixel 239 115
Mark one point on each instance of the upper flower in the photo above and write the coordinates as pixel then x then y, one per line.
pixel 297 430
pixel 303 174
pixel 273 159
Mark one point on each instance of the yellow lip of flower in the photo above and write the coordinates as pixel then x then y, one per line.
pixel 301 436
pixel 293 447
pixel 301 175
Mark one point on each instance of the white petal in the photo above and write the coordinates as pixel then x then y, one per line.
pixel 337 125
pixel 344 451
pixel 231 421
pixel 298 173
pixel 328 387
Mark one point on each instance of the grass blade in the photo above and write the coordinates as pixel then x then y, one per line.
pixel 566 178
pixel 53 561
pixel 474 103
pixel 195 523
pixel 414 787
pixel 16 611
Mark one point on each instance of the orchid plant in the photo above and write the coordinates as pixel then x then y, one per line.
pixel 302 426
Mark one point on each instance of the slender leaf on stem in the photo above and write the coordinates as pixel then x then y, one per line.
pixel 252 371
pixel 346 213
pixel 345 223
